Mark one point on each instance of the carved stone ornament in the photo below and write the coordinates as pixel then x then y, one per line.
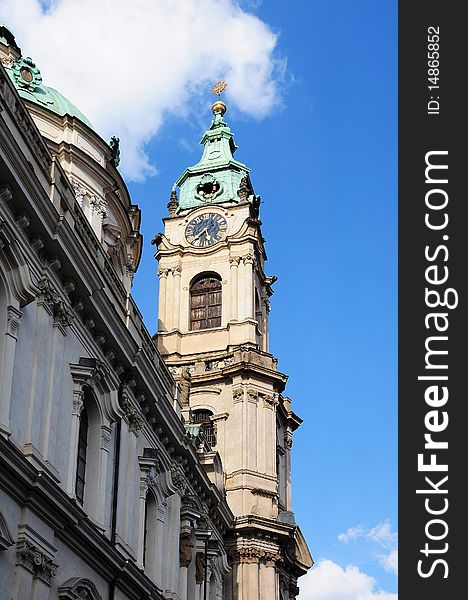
pixel 80 191
pixel 185 549
pixel 255 555
pixel 106 435
pixel 215 365
pixel 185 384
pixel 199 567
pixel 13 321
pixel 178 480
pixel 252 395
pixel 173 203
pixel 60 311
pixel 98 205
pixel 36 561
pixel 238 395
pixel 244 191
pixel 176 371
pixel 5 193
pixel 269 401
pixel 135 419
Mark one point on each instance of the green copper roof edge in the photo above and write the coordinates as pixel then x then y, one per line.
pixel 215 167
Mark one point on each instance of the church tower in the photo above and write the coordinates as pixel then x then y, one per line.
pixel 213 334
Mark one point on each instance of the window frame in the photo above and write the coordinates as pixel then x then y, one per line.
pixel 212 302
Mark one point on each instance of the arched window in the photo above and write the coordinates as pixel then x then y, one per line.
pixel 203 417
pixel 81 460
pixel 205 302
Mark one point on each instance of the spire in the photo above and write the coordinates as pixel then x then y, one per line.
pixel 217 176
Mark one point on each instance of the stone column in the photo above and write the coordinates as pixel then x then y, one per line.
pixel 49 434
pixel 169 319
pixel 241 291
pixel 252 569
pixel 234 262
pixel 106 436
pixel 268 578
pixel 141 520
pixel 176 308
pixel 162 299
pixel 251 433
pixel 248 277
pixel 269 406
pixel 160 518
pixel 6 367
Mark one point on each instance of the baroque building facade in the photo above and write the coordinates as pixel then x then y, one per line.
pixel 134 466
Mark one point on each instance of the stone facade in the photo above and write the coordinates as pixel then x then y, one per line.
pixel 109 487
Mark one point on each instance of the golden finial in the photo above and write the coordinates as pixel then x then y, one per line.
pixel 218 89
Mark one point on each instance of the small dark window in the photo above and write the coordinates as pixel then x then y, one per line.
pixel 205 303
pixel 203 417
pixel 81 461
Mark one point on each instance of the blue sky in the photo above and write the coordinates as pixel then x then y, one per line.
pixel 312 101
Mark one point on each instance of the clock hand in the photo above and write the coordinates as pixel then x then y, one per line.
pixel 205 230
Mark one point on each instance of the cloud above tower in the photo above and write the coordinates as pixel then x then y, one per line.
pixel 129 65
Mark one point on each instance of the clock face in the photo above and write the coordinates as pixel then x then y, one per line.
pixel 206 229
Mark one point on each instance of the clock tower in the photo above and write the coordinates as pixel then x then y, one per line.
pixel 214 302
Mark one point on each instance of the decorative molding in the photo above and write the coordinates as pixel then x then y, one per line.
pixel 238 395
pixel 216 365
pixel 32 558
pixel 256 555
pixel 13 321
pixel 252 395
pixel 5 192
pixel 106 436
pixel 53 302
pixel 133 415
pixel 178 479
pixel 185 549
pixel 78 588
pixel 269 401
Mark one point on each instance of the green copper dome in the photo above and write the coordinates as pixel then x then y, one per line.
pixel 28 81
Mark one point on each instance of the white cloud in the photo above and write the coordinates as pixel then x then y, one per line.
pixel 389 561
pixel 329 581
pixel 127 65
pixel 382 536
pixel 351 534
